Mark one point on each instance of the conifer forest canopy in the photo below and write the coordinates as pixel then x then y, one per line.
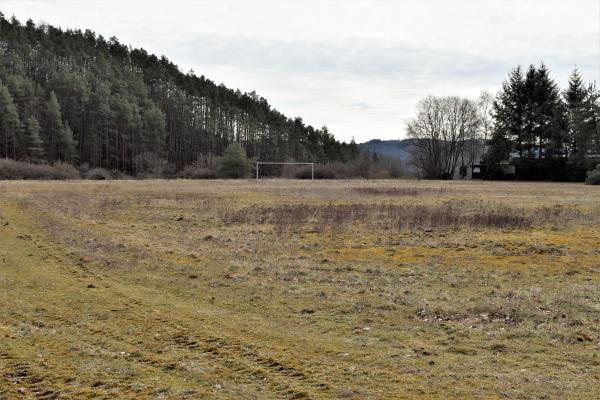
pixel 77 97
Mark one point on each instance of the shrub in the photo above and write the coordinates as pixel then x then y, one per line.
pixel 321 172
pixel 196 171
pixel 117 174
pixel 99 174
pixel 593 176
pixel 63 170
pixel 150 165
pixel 10 169
pixel 235 163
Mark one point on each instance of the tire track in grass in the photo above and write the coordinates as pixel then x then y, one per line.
pixel 277 379
pixel 21 381
pixel 281 380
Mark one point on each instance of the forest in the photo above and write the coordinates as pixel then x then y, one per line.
pixel 75 97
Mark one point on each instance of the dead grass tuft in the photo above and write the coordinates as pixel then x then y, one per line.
pixel 448 215
pixel 401 191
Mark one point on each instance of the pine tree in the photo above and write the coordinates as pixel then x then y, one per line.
pixel 549 121
pixel 35 145
pixel 68 145
pixel 9 124
pixel 531 124
pixel 52 128
pixel 73 93
pixel 23 93
pixel 576 97
pixel 353 150
pixel 508 110
pixel 529 116
pixel 593 108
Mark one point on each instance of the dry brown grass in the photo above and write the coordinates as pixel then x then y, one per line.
pixel 447 215
pixel 400 191
pixel 287 289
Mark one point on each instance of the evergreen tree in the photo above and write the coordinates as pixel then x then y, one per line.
pixel 579 102
pixel 235 163
pixel 154 129
pixel 9 124
pixel 353 150
pixel 529 117
pixel 593 108
pixel 509 114
pixel 575 98
pixel 52 128
pixel 531 123
pixel 549 121
pixel 68 145
pixel 499 150
pixel 23 93
pixel 72 92
pixel 35 145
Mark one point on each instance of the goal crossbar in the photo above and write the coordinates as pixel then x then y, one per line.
pixel 312 166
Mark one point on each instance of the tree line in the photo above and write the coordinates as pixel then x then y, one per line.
pixel 73 96
pixel 535 120
pixel 531 124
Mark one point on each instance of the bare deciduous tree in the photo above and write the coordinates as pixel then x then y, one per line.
pixel 478 148
pixel 485 103
pixel 442 128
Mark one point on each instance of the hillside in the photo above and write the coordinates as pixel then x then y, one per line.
pixel 74 96
pixel 400 149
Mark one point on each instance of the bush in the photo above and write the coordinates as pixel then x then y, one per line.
pixel 321 172
pixel 99 174
pixel 63 170
pixel 197 171
pixel 593 176
pixel 235 163
pixel 10 169
pixel 118 174
pixel 150 165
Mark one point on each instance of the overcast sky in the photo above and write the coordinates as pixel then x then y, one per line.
pixel 358 67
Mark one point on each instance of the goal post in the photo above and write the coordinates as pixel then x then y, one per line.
pixel 312 166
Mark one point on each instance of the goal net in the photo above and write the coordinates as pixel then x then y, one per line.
pixel 259 163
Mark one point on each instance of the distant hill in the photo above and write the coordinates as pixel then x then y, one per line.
pixel 400 149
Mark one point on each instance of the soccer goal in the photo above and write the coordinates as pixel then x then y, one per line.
pixel 312 166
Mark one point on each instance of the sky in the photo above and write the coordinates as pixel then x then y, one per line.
pixel 358 67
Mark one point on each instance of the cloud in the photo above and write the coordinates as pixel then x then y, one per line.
pixel 361 105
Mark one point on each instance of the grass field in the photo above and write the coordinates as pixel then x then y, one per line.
pixel 294 289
